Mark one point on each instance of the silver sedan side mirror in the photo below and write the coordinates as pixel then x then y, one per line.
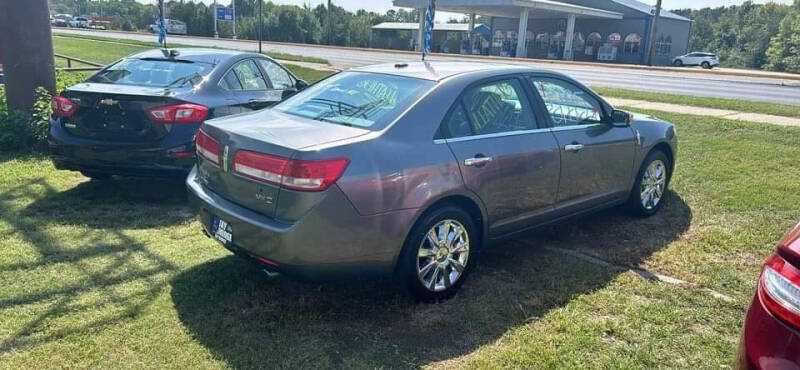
pixel 620 118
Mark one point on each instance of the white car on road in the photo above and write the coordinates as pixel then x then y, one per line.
pixel 172 27
pixel 79 22
pixel 705 60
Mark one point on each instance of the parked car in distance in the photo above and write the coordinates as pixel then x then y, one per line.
pixel 139 115
pixel 172 26
pixel 771 335
pixel 61 20
pixel 705 60
pixel 79 22
pixel 408 170
pixel 95 25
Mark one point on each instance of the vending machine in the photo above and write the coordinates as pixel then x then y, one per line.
pixel 607 52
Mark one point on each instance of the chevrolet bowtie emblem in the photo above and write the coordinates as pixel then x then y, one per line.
pixel 109 102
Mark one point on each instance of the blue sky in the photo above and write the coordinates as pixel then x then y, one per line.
pixel 384 5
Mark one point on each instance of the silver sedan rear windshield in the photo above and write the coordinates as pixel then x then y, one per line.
pixel 366 100
pixel 153 73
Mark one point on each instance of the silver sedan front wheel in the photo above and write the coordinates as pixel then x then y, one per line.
pixel 443 255
pixel 653 184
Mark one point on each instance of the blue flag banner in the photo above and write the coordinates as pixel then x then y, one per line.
pixel 429 18
pixel 162 29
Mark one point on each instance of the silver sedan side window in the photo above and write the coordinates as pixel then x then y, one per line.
pixel 495 107
pixel 567 104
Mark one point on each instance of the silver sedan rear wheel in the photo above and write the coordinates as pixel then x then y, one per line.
pixel 443 255
pixel 653 184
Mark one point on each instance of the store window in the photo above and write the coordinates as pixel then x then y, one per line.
pixel 542 41
pixel 578 42
pixel 632 43
pixel 663 45
pixel 615 38
pixel 667 48
pixel 592 43
pixel 595 39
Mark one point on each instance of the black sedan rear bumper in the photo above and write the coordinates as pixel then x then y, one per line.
pixel 78 154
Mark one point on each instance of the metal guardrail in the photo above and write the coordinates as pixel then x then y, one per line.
pixel 93 66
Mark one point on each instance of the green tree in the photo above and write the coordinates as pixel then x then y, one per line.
pixel 739 34
pixel 784 49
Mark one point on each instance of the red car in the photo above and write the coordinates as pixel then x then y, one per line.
pixel 771 337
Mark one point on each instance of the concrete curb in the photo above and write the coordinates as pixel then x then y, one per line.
pixel 787 79
pixel 710 112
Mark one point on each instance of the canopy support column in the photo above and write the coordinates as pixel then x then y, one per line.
pixel 570 36
pixel 522 34
pixel 471 23
pixel 421 33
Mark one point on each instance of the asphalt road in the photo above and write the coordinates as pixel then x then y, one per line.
pixel 685 82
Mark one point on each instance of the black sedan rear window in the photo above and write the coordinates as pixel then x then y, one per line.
pixel 153 72
pixel 367 100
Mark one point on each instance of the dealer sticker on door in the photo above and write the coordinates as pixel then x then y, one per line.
pixel 222 231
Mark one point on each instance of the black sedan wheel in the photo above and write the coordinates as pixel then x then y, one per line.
pixel 439 254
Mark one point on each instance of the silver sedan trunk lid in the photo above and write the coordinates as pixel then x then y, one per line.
pixel 265 132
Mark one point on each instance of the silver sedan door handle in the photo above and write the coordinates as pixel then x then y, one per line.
pixel 477 161
pixel 573 147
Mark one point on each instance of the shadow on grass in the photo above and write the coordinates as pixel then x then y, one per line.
pixel 127 203
pixel 62 298
pixel 251 321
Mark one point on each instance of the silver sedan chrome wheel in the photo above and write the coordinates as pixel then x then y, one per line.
pixel 654 181
pixel 442 255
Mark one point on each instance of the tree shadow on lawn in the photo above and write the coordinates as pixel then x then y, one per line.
pixel 251 321
pixel 126 271
pixel 125 203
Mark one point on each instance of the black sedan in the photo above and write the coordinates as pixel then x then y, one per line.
pixel 139 116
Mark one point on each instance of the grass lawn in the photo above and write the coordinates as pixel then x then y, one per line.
pixel 93 40
pixel 118 274
pixel 719 103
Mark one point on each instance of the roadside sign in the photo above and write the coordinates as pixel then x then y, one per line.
pixel 224 14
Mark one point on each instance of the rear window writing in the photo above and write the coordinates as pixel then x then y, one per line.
pixel 152 73
pixel 367 100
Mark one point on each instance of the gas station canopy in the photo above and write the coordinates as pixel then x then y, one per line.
pixel 524 10
pixel 512 8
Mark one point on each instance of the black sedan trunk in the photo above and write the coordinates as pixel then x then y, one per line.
pixel 116 113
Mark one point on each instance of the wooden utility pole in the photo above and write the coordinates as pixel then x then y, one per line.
pixel 653 31
pixel 330 27
pixel 28 51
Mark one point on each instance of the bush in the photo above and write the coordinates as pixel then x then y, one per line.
pixel 20 131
